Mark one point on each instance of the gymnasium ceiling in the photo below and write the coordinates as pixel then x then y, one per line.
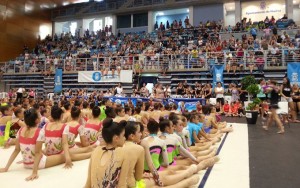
pixel 35 5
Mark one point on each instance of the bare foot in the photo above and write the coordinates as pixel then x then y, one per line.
pixel 192 170
pixel 281 131
pixel 193 180
pixel 210 162
pixel 205 152
pixel 230 129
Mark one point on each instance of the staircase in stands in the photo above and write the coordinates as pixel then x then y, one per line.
pixel 48 85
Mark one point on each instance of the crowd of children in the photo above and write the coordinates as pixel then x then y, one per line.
pixel 146 145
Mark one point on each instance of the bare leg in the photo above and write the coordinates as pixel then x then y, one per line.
pixel 293 111
pixel 278 122
pixel 185 183
pixel 200 147
pixel 81 150
pixel 201 153
pixel 175 177
pixel 55 160
pixel 80 156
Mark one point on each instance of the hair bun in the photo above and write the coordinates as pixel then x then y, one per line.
pixel 161 119
pixel 107 122
pixel 123 123
pixel 74 108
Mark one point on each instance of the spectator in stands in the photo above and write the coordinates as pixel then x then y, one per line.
pixel 168 24
pixel 250 61
pixel 267 33
pixel 219 92
pixel 187 22
pixel 180 89
pixel 207 92
pixel 144 91
pixel 156 26
pixel 118 90
pixel 285 17
pixel 297 36
pixel 267 21
pixel 253 32
pixel 167 91
pixel 20 92
pixel 180 23
pixel 260 62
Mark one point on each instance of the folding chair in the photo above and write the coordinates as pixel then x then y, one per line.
pixel 283 110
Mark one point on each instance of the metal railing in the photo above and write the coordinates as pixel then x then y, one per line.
pixel 157 62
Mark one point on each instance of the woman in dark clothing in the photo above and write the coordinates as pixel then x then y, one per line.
pixel 274 90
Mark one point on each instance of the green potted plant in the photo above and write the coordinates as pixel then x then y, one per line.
pixel 249 84
pixel 246 82
pixel 253 106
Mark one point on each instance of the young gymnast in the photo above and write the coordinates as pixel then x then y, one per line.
pixel 194 129
pixel 120 111
pixel 175 148
pixel 133 133
pixel 67 114
pixel 109 165
pixel 185 132
pixel 5 122
pixel 178 129
pixel 28 141
pixel 93 127
pixel 55 135
pixel 226 109
pixel 86 112
pixel 155 149
pixel 210 124
pixel 44 120
pixel 14 126
pixel 75 129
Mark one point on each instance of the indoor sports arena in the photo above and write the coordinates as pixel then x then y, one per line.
pixel 149 93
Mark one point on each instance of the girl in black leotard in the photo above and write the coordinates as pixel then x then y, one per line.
pixel 180 89
pixel 207 91
pixel 274 90
pixel 285 92
pixel 296 97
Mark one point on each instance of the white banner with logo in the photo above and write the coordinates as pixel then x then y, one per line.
pixel 258 10
pixel 96 76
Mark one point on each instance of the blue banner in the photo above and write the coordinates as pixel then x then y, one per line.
pixel 189 104
pixel 218 74
pixel 294 73
pixel 58 81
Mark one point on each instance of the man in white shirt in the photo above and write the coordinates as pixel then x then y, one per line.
pixel 20 95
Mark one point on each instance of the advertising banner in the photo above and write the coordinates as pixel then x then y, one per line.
pixel 58 81
pixel 96 76
pixel 294 73
pixel 259 10
pixel 218 74
pixel 189 104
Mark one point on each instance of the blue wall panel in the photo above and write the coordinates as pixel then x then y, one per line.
pixel 208 12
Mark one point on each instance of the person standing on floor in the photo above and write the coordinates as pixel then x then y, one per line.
pixel 274 90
